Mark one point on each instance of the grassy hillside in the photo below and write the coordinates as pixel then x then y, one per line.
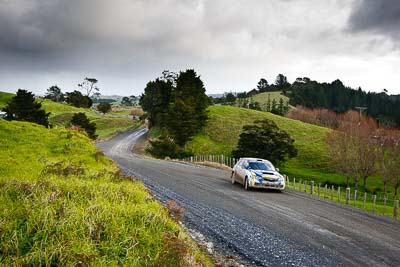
pixel 60 115
pixel 4 97
pixel 221 135
pixel 262 98
pixel 63 203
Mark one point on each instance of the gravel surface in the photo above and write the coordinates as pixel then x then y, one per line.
pixel 263 228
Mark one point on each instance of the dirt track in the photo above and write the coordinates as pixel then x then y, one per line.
pixel 264 228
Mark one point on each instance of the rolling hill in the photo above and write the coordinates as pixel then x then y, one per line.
pixel 221 135
pixel 262 98
pixel 60 115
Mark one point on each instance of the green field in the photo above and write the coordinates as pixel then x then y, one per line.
pixel 262 98
pixel 108 125
pixel 62 202
pixel 221 135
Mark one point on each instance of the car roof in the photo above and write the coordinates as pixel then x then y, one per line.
pixel 255 159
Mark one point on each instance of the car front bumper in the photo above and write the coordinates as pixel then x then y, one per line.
pixel 268 185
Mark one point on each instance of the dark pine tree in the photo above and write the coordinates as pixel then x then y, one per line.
pixel 24 107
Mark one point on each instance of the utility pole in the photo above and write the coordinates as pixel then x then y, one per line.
pixel 361 109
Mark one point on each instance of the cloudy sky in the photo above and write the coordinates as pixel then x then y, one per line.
pixel 230 43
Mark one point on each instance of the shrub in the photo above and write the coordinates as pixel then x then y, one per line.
pixel 104 107
pixel 80 119
pixel 264 139
pixel 166 147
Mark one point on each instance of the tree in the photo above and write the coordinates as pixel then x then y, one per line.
pixel 156 100
pixel 126 101
pixel 104 107
pixel 264 139
pixel 353 145
pixel 89 85
pixel 54 94
pixel 262 85
pixel 23 107
pixel 80 120
pixel 281 82
pixel 230 97
pixel 188 108
pixel 78 100
pixel 389 158
pixel 274 107
pixel 268 107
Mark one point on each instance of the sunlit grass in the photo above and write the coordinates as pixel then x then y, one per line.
pixel 62 202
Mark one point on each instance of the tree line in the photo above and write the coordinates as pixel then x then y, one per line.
pixel 176 104
pixel 339 98
pixel 245 100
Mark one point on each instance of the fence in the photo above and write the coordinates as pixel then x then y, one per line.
pixel 220 159
pixel 379 204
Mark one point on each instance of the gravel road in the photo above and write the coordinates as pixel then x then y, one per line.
pixel 264 228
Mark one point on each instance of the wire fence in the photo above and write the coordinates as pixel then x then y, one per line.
pixel 378 204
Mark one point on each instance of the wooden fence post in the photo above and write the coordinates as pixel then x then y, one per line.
pixel 355 198
pixel 365 200
pixel 338 193
pixel 294 183
pixel 326 190
pixel 384 206
pixel 312 188
pixel 396 209
pixel 305 186
pixel 319 189
pixel 347 195
pixel 374 204
pixel 332 190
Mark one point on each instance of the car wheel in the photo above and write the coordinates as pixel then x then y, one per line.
pixel 246 184
pixel 233 178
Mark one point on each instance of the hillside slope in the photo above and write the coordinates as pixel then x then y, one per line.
pixel 221 135
pixel 62 202
pixel 262 98
pixel 61 114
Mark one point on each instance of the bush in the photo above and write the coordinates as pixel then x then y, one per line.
pixel 80 119
pixel 78 100
pixel 265 140
pixel 104 107
pixel 166 147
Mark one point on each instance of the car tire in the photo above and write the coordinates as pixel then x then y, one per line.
pixel 246 184
pixel 233 178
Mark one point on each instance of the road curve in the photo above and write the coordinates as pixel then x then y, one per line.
pixel 263 227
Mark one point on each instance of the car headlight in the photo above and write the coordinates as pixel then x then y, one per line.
pixel 253 174
pixel 281 179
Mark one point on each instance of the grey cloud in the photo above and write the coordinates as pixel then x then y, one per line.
pixel 125 43
pixel 377 16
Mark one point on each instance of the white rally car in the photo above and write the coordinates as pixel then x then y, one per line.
pixel 257 173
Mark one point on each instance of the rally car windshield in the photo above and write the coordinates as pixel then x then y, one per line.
pixel 260 166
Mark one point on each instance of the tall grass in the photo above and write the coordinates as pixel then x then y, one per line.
pixel 62 202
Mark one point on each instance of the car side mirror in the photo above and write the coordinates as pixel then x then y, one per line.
pixel 277 169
